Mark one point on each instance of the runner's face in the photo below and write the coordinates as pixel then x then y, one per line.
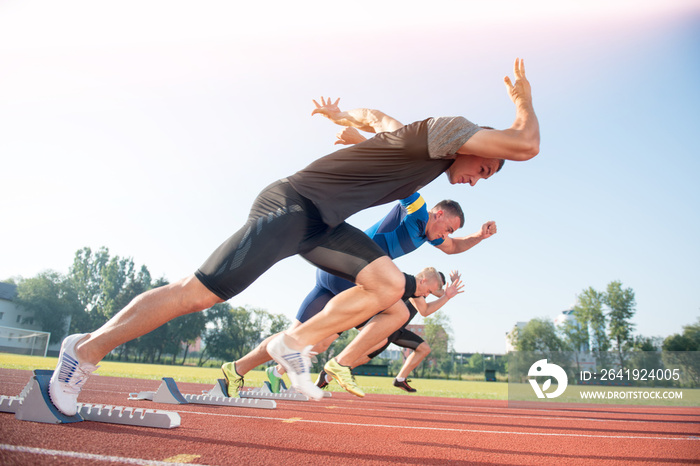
pixel 441 225
pixel 424 287
pixel 468 169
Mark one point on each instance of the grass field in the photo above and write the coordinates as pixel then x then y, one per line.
pixel 425 387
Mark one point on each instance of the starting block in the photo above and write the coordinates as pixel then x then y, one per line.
pixel 169 393
pixel 265 392
pixel 33 404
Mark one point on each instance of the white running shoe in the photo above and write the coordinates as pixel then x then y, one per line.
pixel 68 377
pixel 297 364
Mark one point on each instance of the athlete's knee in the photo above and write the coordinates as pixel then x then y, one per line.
pixel 194 296
pixel 423 349
pixel 383 279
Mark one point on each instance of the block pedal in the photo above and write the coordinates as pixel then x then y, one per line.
pixel 265 394
pixel 34 404
pixel 169 393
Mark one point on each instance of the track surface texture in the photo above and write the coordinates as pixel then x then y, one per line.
pixel 343 429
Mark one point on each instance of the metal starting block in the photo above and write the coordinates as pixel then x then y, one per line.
pixel 33 404
pixel 169 393
pixel 265 392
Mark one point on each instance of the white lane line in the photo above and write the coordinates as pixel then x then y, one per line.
pixel 90 456
pixel 450 429
pixel 510 416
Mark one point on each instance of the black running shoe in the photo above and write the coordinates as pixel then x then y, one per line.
pixel 404 386
pixel 322 382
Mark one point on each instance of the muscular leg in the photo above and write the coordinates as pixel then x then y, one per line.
pixel 380 285
pixel 255 358
pixel 145 313
pixel 376 330
pixel 365 359
pixel 413 360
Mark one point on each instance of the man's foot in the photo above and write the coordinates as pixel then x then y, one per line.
pixel 322 381
pixel 232 378
pixel 69 377
pixel 297 364
pixel 274 380
pixel 343 375
pixel 404 386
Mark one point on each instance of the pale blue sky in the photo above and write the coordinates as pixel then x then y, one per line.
pixel 149 127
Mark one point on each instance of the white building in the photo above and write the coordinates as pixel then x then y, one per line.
pixel 509 335
pixel 18 328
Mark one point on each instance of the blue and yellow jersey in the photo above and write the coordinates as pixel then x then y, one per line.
pixel 402 230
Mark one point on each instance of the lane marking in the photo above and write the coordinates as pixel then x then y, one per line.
pixel 292 419
pixel 183 458
pixel 451 429
pixel 511 416
pixel 90 456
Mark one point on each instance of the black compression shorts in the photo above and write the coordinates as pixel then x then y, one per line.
pixel 403 338
pixel 283 223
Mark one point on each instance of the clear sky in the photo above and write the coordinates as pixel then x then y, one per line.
pixel 149 127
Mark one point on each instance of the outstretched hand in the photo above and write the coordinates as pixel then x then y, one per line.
pixel 520 89
pixel 326 108
pixel 454 288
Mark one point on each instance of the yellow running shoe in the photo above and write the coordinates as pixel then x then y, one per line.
pixel 343 375
pixel 232 377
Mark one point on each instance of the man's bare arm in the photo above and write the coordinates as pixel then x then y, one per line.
pixel 458 245
pixel 364 119
pixel 519 142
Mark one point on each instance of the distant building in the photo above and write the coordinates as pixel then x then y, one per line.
pixel 568 316
pixel 15 323
pixel 509 336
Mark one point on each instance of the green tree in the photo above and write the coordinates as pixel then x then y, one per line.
pixel 438 335
pixel 188 328
pixel 621 304
pixel 104 285
pixel 540 336
pixel 233 332
pixel 683 350
pixel 52 299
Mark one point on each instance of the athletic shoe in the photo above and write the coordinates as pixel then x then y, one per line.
pixel 69 377
pixel 404 386
pixel 322 382
pixel 230 374
pixel 274 380
pixel 297 364
pixel 343 375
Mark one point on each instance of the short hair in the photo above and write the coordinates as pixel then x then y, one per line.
pixel 452 208
pixel 442 278
pixel 501 162
pixel 431 273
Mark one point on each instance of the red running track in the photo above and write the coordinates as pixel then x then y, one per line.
pixel 343 429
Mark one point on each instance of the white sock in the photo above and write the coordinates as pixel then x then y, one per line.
pixel 275 372
pixel 400 379
pixel 328 379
